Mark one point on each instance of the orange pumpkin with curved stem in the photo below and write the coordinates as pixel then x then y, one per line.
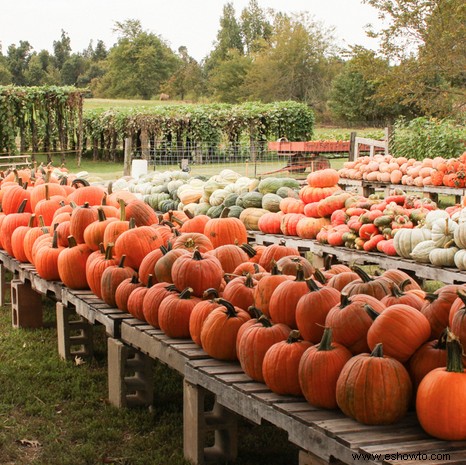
pixel 17 240
pixel 10 223
pixel 136 299
pixel 225 230
pixel 96 268
pixel 152 300
pixel 174 313
pixel 230 256
pixel 200 312
pixel 123 291
pixel 112 278
pixel 312 310
pixel 163 267
pixel 441 397
pixel 85 193
pixel 81 217
pixel 240 291
pixel 193 241
pixel 223 325
pixel 197 271
pixel 46 261
pixel 281 364
pixel 319 369
pixel 72 264
pixel 275 252
pixel 254 343
pixel 382 401
pixel 94 232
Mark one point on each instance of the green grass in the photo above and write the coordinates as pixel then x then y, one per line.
pixel 63 410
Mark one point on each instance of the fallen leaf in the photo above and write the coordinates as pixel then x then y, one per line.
pixel 79 361
pixel 29 442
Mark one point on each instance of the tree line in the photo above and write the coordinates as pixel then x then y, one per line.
pixel 265 56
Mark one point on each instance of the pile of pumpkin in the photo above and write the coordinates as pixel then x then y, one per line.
pixel 436 171
pixel 301 331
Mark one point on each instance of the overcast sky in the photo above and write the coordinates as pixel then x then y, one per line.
pixel 193 23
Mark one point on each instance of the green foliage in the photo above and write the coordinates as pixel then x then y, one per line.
pixel 138 64
pixel 178 125
pixel 40 116
pixel 428 137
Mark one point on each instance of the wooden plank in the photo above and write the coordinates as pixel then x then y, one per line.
pixel 271 398
pixel 234 378
pixel 221 369
pixel 250 387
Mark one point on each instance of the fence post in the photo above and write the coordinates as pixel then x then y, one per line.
pixel 352 146
pixel 127 160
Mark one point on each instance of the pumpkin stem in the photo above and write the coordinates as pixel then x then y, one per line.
pixel 64 181
pixel 362 274
pixel 110 187
pixel 264 321
pixel 122 209
pixel 249 249
pixel 320 277
pixel 254 312
pixel 150 281
pixel 121 264
pixel 210 292
pixel 186 293
pixel 188 214
pixel 104 199
pixel 132 223
pixel 71 241
pixel 81 181
pixel 312 285
pixel 248 282
pixel 344 300
pixel 294 336
pixel 431 297
pixel 230 312
pixel 134 279
pixel 22 206
pixel 47 195
pixel 454 354
pixel 55 240
pixel 403 284
pixel 299 272
pixel 275 270
pixel 101 214
pixel 31 220
pixel 396 291
pixel 109 251
pixel 371 311
pixel 176 220
pixel 326 341
pixel 441 342
pixel 102 248
pixel 378 350
pixel 197 255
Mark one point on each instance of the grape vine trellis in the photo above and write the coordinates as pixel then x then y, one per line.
pixel 43 119
pixel 190 128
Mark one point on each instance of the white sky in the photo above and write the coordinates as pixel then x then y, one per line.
pixel 193 23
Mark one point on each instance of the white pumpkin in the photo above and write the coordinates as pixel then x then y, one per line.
pixel 460 259
pixel 459 236
pixel 434 215
pixel 405 240
pixel 443 256
pixel 443 231
pixel 422 250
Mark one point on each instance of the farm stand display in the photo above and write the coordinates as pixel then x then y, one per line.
pixel 210 364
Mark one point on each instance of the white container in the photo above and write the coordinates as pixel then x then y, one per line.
pixel 138 168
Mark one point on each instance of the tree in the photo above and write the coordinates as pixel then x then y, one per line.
pixel 62 49
pixel 138 64
pixel 255 28
pixel 5 75
pixel 294 66
pixel 18 59
pixel 425 41
pixel 188 80
pixel 227 81
pixel 353 96
pixel 228 38
pixel 41 70
pixel 72 69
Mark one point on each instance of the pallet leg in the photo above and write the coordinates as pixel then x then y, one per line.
pixel 74 336
pixel 197 423
pixel 2 284
pixel 26 305
pixel 130 376
pixel 308 458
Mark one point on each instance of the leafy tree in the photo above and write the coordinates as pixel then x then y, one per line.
pixel 227 81
pixel 353 95
pixel 18 59
pixel 255 27
pixel 228 38
pixel 425 40
pixel 138 64
pixel 5 75
pixel 72 69
pixel 188 79
pixel 294 66
pixel 62 49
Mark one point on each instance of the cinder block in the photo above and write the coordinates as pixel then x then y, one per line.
pixel 26 305
pixel 197 423
pixel 130 376
pixel 74 336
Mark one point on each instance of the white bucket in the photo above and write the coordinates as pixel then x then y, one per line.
pixel 138 168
